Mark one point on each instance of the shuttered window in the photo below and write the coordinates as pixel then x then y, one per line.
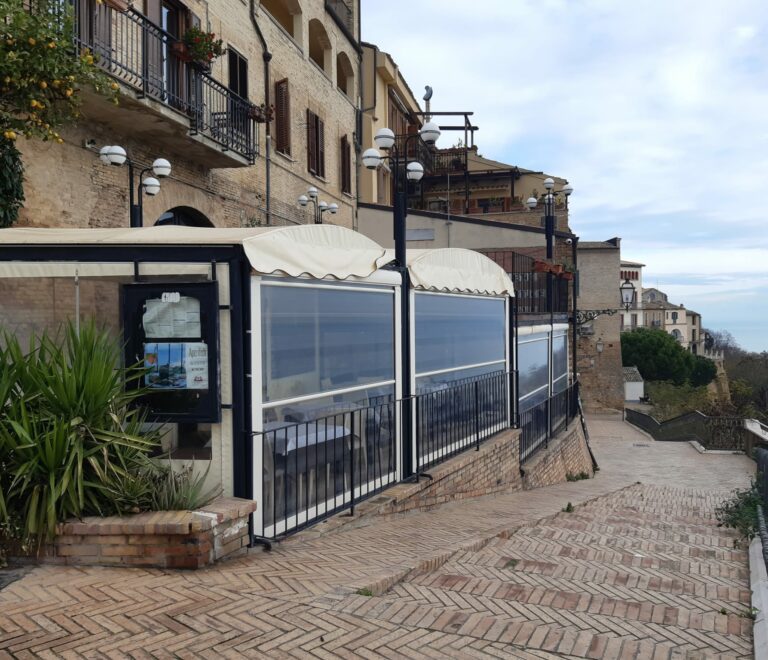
pixel 315 144
pixel 282 117
pixel 346 166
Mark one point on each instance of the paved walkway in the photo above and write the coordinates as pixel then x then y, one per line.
pixel 640 572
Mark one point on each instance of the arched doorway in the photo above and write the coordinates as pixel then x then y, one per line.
pixel 184 216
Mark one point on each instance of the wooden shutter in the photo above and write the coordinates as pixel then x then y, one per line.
pixel 311 142
pixel 346 173
pixel 282 117
pixel 320 147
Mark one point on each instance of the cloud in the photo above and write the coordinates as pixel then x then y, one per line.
pixel 655 111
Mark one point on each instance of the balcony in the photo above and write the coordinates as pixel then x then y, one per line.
pixel 165 100
pixel 535 292
pixel 449 161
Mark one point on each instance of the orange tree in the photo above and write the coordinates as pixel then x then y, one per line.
pixel 42 76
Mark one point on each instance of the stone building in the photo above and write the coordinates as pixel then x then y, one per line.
pixel 599 344
pixel 231 166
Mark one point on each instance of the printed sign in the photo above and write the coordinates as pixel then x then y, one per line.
pixel 171 315
pixel 176 365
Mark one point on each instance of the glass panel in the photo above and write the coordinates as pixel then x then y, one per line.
pixel 322 406
pixel 452 331
pixel 529 400
pixel 316 340
pixel 533 363
pixel 559 356
pixel 560 384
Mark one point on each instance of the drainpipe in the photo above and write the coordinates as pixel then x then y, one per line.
pixel 266 56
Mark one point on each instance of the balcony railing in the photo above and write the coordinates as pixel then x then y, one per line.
pixel 535 293
pixel 313 469
pixel 540 423
pixel 449 161
pixel 143 56
pixel 417 150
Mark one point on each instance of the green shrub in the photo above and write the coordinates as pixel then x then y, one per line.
pixel 73 442
pixel 740 511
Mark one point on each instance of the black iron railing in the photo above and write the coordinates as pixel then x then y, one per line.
pixel 711 432
pixel 417 150
pixel 545 420
pixel 535 292
pixel 140 54
pixel 449 161
pixel 452 417
pixel 314 469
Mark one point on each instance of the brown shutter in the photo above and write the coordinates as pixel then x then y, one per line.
pixel 282 117
pixel 346 178
pixel 320 147
pixel 311 142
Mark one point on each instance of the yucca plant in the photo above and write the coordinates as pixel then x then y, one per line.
pixel 69 431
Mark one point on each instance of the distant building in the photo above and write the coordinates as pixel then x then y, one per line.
pixel 632 271
pixel 634 385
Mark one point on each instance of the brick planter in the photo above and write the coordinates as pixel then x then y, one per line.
pixel 160 539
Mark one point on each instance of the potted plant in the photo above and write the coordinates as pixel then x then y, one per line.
pixel 567 275
pixel 202 47
pixel 557 269
pixel 261 114
pixel 540 266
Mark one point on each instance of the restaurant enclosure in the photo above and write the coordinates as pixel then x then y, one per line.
pixel 273 356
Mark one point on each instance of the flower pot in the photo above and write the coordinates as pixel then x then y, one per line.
pixel 180 51
pixel 557 269
pixel 117 5
pixel 541 267
pixel 567 275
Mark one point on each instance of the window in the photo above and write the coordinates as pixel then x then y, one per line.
pixel 238 73
pixel 315 144
pixel 319 46
pixel 533 369
pixel 674 317
pixel 287 13
pixel 634 321
pixel 345 77
pixel 346 166
pixel 320 340
pixel 459 332
pixel 282 117
pixel 559 363
pixel 398 118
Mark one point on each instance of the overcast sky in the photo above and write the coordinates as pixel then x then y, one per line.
pixel 655 111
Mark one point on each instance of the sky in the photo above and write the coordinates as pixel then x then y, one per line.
pixel 655 111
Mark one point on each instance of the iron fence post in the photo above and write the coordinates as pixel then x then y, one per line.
pixel 477 417
pixel 352 465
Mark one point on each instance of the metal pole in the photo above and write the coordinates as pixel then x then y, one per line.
pixel 477 418
pixel 133 213
pixel 549 221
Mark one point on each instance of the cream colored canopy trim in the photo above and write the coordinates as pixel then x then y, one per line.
pixel 456 270
pixel 316 250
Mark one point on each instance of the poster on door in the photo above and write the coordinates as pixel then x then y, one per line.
pixel 176 365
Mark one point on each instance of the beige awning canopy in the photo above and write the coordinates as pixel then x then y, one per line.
pixel 456 270
pixel 319 251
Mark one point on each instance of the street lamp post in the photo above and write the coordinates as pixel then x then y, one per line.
pixel 404 172
pixel 161 168
pixel 549 210
pixel 627 294
pixel 320 207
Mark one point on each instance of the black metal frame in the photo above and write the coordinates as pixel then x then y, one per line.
pixel 543 421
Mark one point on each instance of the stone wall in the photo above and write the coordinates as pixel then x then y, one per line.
pixel 67 186
pixel 165 539
pixel 567 455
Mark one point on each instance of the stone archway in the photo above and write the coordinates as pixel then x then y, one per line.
pixel 184 216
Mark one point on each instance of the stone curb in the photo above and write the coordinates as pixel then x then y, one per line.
pixel 758 579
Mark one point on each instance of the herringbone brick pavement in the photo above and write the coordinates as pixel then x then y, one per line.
pixel 636 571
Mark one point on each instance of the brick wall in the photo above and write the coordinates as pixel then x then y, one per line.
pixel 566 456
pixel 165 539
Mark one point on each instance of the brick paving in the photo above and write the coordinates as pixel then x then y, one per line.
pixel 636 571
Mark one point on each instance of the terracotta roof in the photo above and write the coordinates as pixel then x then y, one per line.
pixel 632 375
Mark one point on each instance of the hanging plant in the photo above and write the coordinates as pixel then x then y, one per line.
pixel 202 47
pixel 261 114
pixel 11 182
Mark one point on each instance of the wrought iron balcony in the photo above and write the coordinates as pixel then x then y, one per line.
pixel 149 60
pixel 417 150
pixel 449 161
pixel 535 292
